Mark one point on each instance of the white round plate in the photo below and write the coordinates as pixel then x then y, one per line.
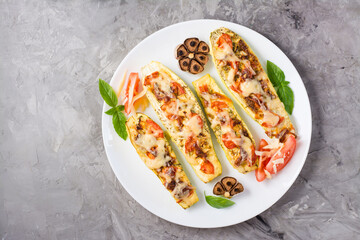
pixel 146 188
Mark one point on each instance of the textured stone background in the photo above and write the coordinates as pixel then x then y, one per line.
pixel 55 180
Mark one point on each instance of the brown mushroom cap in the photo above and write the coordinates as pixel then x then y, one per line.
pixel 203 48
pixel 201 58
pixel 195 67
pixel 181 52
pixel 228 183
pixel 237 189
pixel 191 44
pixel 218 189
pixel 184 63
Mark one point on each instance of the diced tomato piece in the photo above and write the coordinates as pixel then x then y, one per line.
pixel 190 144
pixel 154 128
pixel 227 142
pixel 177 88
pixel 207 167
pixel 218 105
pixel 149 78
pixel 204 88
pixel 224 38
pixel 286 152
pixel 150 155
pixel 236 89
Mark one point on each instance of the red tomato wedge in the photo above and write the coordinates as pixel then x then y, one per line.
pixel 224 38
pixel 154 128
pixel 286 152
pixel 132 89
pixel 259 172
pixel 207 167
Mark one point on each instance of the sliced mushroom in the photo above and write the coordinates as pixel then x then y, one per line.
pixel 203 48
pixel 237 189
pixel 218 189
pixel 195 67
pixel 201 58
pixel 184 64
pixel 228 183
pixel 191 44
pixel 181 52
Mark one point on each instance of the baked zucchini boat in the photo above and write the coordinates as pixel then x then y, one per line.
pixel 155 151
pixel 243 75
pixel 230 130
pixel 182 116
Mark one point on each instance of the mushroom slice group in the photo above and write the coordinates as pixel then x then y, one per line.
pixel 192 55
pixel 228 187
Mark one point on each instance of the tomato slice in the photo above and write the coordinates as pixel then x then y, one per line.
pixel 236 89
pixel 207 167
pixel 190 144
pixel 177 88
pixel 259 172
pixel 150 155
pixel 204 88
pixel 224 38
pixel 228 143
pixel 133 82
pixel 286 152
pixel 154 128
pixel 218 105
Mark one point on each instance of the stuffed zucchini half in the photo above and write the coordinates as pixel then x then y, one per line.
pixel 230 130
pixel 155 151
pixel 181 114
pixel 243 75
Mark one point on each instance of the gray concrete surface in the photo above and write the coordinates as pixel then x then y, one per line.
pixel 55 180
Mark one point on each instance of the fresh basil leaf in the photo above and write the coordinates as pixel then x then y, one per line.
pixel 119 121
pixel 218 202
pixel 286 95
pixel 275 74
pixel 111 111
pixel 107 93
pixel 121 107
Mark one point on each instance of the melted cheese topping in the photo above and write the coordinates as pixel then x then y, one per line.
pixel 226 54
pixel 193 125
pixel 179 192
pixel 250 86
pixel 269 118
pixel 146 142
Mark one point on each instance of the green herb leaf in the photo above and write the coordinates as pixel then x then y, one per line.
pixel 277 78
pixel 107 93
pixel 218 202
pixel 112 111
pixel 276 75
pixel 119 121
pixel 286 95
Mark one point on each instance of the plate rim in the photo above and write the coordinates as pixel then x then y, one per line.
pixel 292 179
